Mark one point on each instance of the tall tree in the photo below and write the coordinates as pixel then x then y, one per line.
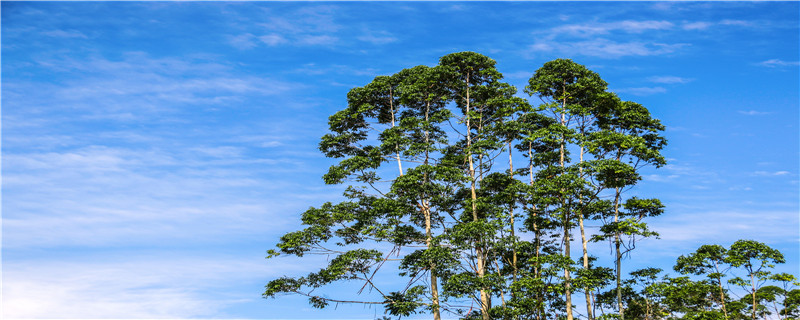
pixel 569 90
pixel 419 152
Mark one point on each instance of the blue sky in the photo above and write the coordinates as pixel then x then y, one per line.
pixel 153 151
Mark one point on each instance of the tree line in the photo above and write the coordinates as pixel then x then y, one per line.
pixel 475 197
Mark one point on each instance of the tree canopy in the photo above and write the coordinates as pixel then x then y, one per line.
pixel 473 195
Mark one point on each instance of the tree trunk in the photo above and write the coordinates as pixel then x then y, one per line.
pixel 480 263
pixel 618 262
pixel 537 240
pixel 428 232
pixel 584 243
pixel 396 148
pixel 567 278
pixel 721 292
pixel 755 302
pixel 511 214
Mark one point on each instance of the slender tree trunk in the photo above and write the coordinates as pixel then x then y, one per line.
pixel 396 148
pixel 567 277
pixel 584 243
pixel 480 263
pixel 755 302
pixel 429 243
pixel 721 292
pixel 537 240
pixel 511 214
pixel 618 262
pixel 428 233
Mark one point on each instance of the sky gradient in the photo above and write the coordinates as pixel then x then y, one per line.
pixel 153 151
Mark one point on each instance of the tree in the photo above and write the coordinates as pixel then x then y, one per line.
pixel 708 260
pixel 614 140
pixel 425 191
pixel 755 258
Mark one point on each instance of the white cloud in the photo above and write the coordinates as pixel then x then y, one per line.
pixel 742 23
pixel 605 48
pixel 771 173
pixel 642 91
pixel 377 38
pixel 778 63
pixel 660 177
pixel 699 25
pixel 318 40
pixel 100 196
pixel 150 86
pixel 753 112
pixel 669 79
pixel 629 26
pixel 116 286
pixel 728 226
pixel 65 34
pixel 309 25
pixel 272 39
pixel 243 41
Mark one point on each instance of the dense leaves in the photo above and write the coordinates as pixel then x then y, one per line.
pixel 474 196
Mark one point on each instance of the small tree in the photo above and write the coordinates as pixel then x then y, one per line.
pixel 756 259
pixel 708 260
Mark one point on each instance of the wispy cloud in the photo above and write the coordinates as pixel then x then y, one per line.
pixel 741 23
pixel 669 79
pixel 628 26
pixel 753 112
pixel 149 86
pixel 729 226
pixel 771 173
pixel 698 25
pixel 642 91
pixel 243 41
pixel 318 40
pixel 306 26
pixel 377 37
pixel 778 63
pixel 605 48
pixel 272 39
pixel 314 69
pixel 65 34
pixel 136 287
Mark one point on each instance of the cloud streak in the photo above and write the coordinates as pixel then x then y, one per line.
pixel 138 287
pixel 605 48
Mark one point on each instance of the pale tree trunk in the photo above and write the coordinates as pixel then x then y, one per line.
pixel 511 214
pixel 536 233
pixel 428 233
pixel 480 263
pixel 585 250
pixel 429 243
pixel 567 277
pixel 721 292
pixel 755 302
pixel 396 148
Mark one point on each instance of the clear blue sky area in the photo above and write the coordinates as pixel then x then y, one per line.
pixel 153 151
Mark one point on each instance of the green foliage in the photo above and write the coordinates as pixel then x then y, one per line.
pixel 429 193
